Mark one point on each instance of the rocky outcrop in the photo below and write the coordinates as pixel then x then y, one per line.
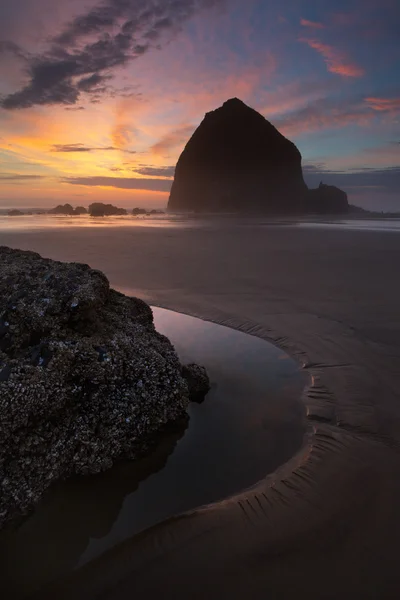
pixel 98 209
pixel 68 209
pixel 85 379
pixel 197 380
pixel 62 209
pixel 14 212
pixel 328 200
pixel 80 210
pixel 237 161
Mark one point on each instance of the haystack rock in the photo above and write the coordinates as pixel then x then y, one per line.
pixel 236 161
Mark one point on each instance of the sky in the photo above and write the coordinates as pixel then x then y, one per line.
pixel 98 98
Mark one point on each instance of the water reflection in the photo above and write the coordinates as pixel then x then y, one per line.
pixel 43 222
pixel 49 543
pixel 251 422
pixel 38 222
pixel 388 224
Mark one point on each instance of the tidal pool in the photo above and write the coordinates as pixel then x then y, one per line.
pixel 251 422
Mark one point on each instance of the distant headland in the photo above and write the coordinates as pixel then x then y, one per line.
pixel 237 161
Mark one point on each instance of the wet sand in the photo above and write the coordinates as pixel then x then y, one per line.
pixel 326 524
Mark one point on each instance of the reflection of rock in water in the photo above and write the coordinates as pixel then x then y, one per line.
pixel 49 544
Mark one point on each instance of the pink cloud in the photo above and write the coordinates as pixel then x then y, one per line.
pixel 293 96
pixel 176 138
pixel 383 104
pixel 323 115
pixel 311 24
pixel 335 60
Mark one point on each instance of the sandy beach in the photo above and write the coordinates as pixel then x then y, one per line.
pixel 326 524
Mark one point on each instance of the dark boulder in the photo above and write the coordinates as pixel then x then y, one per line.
pixel 236 161
pixel 62 209
pixel 98 209
pixel 327 200
pixel 85 379
pixel 80 210
pixel 197 381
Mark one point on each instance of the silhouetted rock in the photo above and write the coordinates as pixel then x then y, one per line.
pixel 197 380
pixel 15 213
pixel 80 210
pixel 139 211
pixel 62 209
pixel 328 199
pixel 98 209
pixel 237 161
pixel 84 377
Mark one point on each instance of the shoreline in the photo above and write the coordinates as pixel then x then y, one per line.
pixel 324 445
pixel 277 493
pixel 326 525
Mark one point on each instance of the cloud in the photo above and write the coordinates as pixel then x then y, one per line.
pixel 107 36
pixel 325 114
pixel 88 84
pixel 387 179
pixel 295 95
pixel 311 24
pixel 173 139
pixel 70 148
pixel 83 148
pixel 335 113
pixel 336 61
pixel 12 48
pixel 390 149
pixel 126 183
pixel 16 178
pixel 384 104
pixel 156 171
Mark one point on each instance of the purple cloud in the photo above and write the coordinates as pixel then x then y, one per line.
pixel 92 45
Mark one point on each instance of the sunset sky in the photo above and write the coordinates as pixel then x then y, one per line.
pixel 97 99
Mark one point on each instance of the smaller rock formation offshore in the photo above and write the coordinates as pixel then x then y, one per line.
pixel 98 209
pixel 85 378
pixel 327 200
pixel 15 213
pixel 80 210
pixel 62 209
pixel 67 209
pixel 236 161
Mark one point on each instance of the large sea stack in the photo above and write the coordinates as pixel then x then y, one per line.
pixel 237 161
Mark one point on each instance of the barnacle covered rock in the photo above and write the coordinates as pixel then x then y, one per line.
pixel 197 381
pixel 84 376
